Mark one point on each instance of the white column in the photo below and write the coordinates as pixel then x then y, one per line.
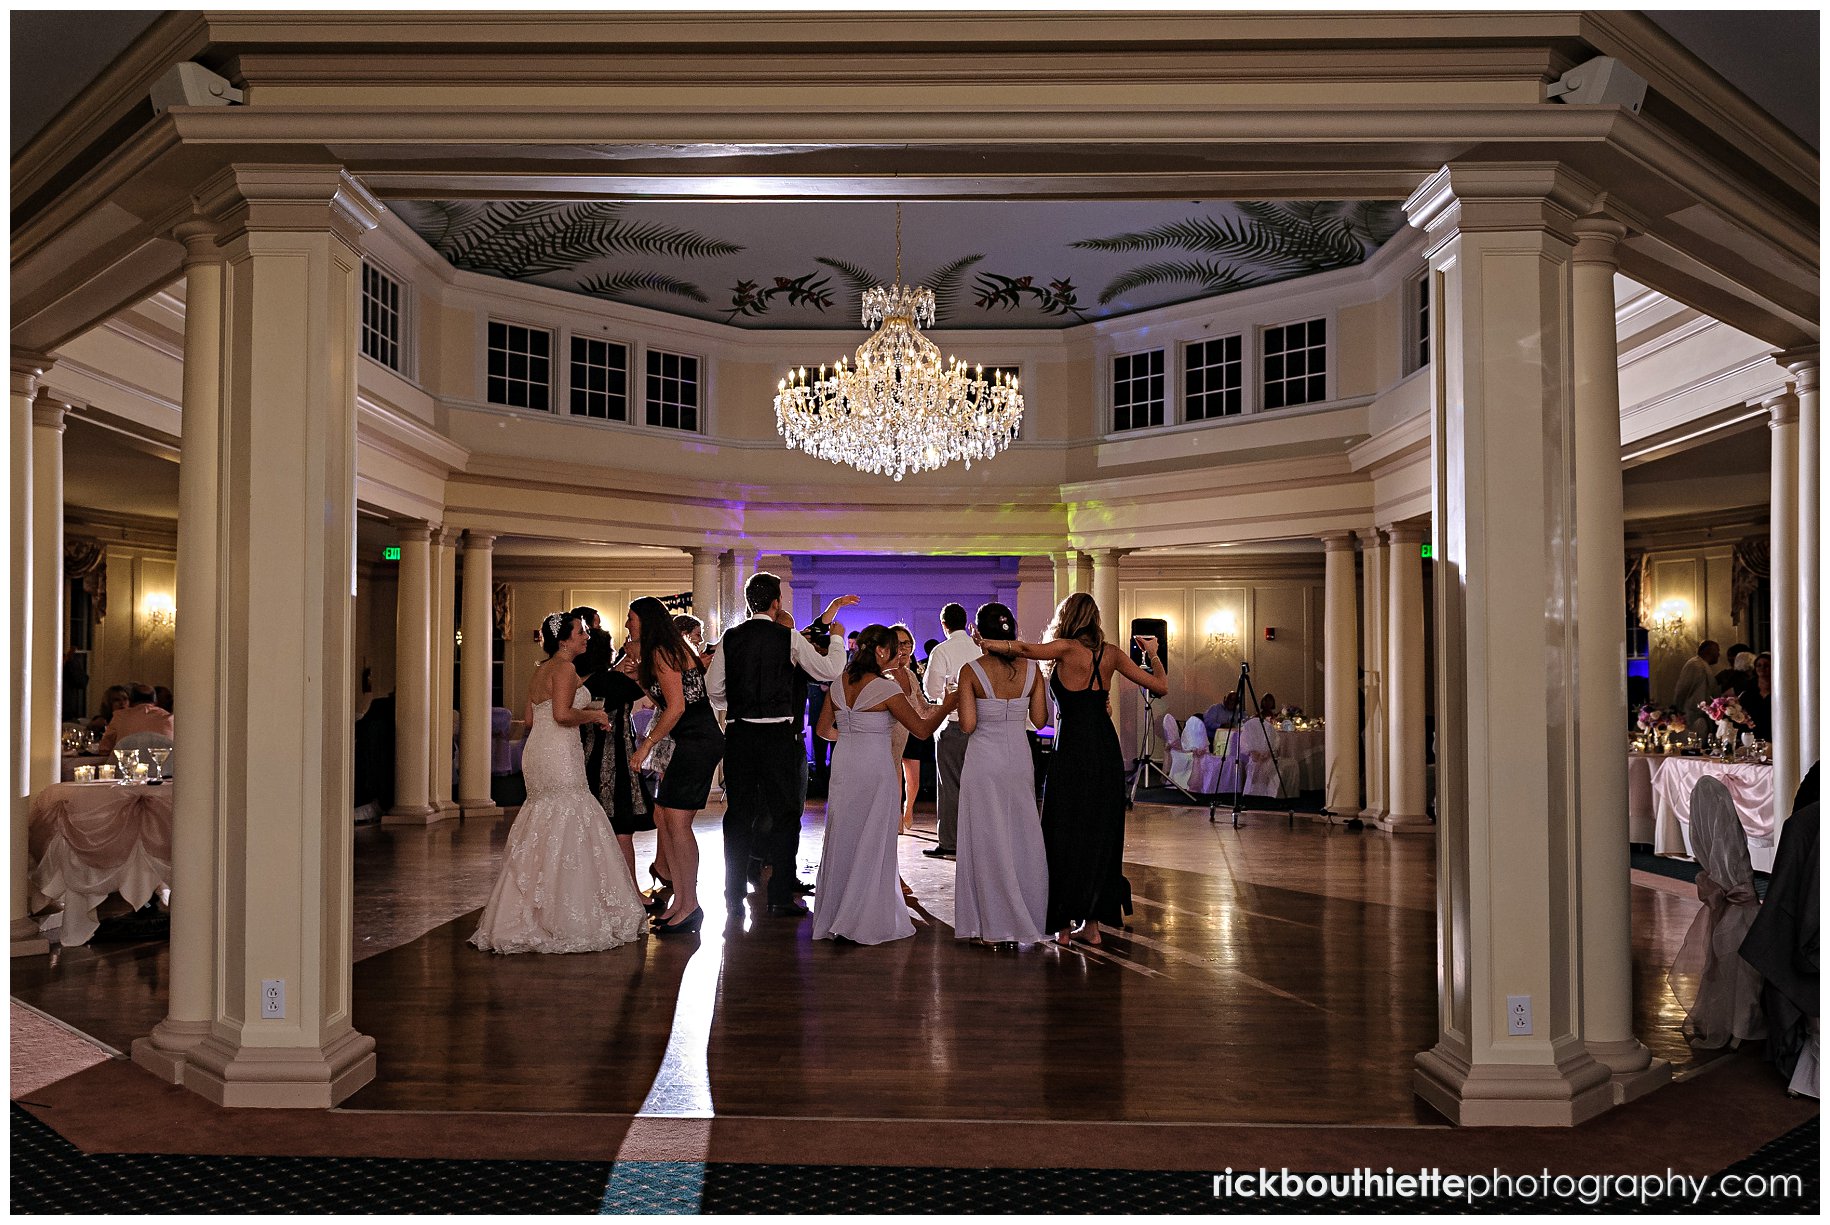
pixel 1600 623
pixel 705 591
pixel 1340 680
pixel 1782 418
pixel 1064 575
pixel 1374 572
pixel 444 660
pixel 1407 796
pixel 413 679
pixel 1083 572
pixel 1105 593
pixel 729 588
pixel 28 368
pixel 190 1002
pixel 475 659
pixel 280 664
pixel 1510 859
pixel 47 646
pixel 1803 365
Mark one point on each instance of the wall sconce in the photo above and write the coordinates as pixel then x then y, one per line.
pixel 160 612
pixel 1223 632
pixel 1668 623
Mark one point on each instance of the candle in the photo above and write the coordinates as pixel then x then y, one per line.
pixel 85 774
pixel 104 772
pixel 140 771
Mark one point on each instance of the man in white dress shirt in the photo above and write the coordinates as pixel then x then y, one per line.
pixel 944 664
pixel 1696 684
pixel 759 675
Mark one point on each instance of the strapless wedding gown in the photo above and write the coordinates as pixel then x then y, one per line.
pixel 564 886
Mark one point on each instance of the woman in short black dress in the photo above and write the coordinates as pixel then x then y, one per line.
pixel 673 677
pixel 623 792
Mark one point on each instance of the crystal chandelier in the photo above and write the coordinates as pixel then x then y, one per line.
pixel 895 409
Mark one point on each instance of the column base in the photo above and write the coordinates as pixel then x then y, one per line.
pixel 479 808
pixel 1513 1094
pixel 1635 1072
pixel 1399 823
pixel 288 1078
pixel 28 941
pixel 1374 815
pixel 446 808
pixel 413 814
pixel 166 1050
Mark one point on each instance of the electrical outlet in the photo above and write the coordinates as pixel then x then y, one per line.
pixel 273 999
pixel 1518 1014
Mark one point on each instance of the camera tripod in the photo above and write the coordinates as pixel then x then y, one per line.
pixel 1241 692
pixel 1144 763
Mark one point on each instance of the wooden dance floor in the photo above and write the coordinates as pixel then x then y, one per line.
pixel 1270 975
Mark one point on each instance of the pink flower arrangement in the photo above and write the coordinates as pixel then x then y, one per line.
pixel 1728 707
pixel 1654 719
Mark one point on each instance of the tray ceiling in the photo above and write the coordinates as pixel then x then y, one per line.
pixel 991 264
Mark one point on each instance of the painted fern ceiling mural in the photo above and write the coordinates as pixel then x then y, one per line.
pixel 990 264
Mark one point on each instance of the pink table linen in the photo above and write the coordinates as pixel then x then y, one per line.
pixel 1749 785
pixel 89 840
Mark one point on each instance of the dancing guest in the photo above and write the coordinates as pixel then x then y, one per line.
pixel 753 676
pixel 692 629
pixel 909 750
pixel 623 792
pixel 669 672
pixel 944 664
pixel 859 897
pixel 564 886
pixel 1000 892
pixel 1083 800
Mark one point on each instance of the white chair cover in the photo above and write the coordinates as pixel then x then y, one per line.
pixel 1257 739
pixel 1720 993
pixel 1181 761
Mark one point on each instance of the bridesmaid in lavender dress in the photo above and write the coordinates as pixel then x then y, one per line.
pixel 858 897
pixel 1000 893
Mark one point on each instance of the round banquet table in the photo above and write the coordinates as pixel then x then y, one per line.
pixel 89 840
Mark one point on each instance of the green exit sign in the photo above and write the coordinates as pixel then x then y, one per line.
pixel 392 552
pixel 1427 550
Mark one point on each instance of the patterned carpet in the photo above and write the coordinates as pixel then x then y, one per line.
pixel 50 1175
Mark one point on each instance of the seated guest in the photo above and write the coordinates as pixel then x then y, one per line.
pixel 114 698
pixel 1781 946
pixel 1757 698
pixel 1224 713
pixel 141 714
pixel 162 698
pixel 1267 706
pixel 1739 675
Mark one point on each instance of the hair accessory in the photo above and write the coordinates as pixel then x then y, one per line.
pixel 553 622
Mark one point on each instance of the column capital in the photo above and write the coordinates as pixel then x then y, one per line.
pixel 444 537
pixel 1463 197
pixel 1803 363
pixel 1336 542
pixel 48 412
pixel 200 236
pixel 1372 538
pixel 1406 533
pixel 701 553
pixel 1782 409
pixel 1107 556
pixel 478 542
pixel 413 529
pixel 306 198
pixel 1598 238
pixel 28 368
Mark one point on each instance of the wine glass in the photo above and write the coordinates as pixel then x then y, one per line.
pixel 123 767
pixel 159 757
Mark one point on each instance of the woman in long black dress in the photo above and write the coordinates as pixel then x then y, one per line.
pixel 670 672
pixel 1083 801
pixel 623 792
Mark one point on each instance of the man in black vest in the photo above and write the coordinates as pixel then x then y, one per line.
pixel 753 677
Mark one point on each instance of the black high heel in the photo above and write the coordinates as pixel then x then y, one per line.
pixel 656 878
pixel 684 927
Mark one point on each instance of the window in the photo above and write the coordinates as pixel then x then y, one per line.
pixel 1423 322
pixel 1137 390
pixel 380 316
pixel 600 379
pixel 673 390
pixel 1213 378
pixel 520 373
pixel 1296 364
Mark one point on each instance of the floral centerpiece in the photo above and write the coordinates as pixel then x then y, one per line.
pixel 1727 711
pixel 1658 725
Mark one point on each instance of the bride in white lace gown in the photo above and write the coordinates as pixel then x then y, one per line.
pixel 565 886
